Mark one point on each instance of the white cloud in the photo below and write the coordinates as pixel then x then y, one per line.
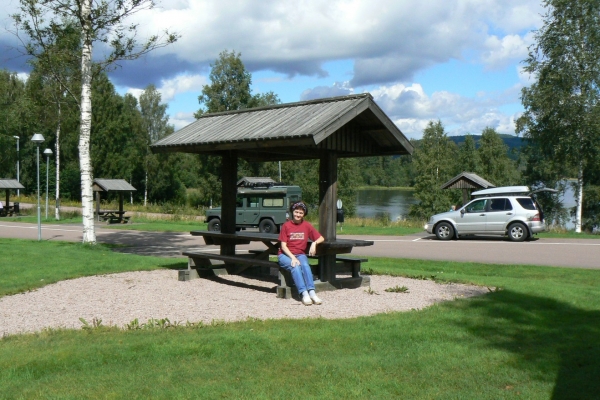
pixel 184 83
pixel 389 41
pixel 505 51
pixel 411 109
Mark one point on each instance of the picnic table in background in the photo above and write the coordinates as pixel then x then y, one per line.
pixel 119 186
pixel 8 185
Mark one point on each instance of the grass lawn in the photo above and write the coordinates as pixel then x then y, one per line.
pixel 536 338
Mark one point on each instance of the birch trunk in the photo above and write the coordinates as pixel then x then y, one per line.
pixel 146 187
pixel 87 195
pixel 57 149
pixel 579 210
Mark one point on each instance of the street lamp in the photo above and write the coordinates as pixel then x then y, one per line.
pixel 38 139
pixel 47 153
pixel 18 190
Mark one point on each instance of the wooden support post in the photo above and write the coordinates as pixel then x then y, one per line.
pixel 327 211
pixel 98 206
pixel 120 206
pixel 465 196
pixel 229 161
pixel 7 200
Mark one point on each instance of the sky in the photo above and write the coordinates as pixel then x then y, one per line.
pixel 458 61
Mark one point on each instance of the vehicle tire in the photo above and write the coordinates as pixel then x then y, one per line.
pixel 517 232
pixel 214 225
pixel 267 226
pixel 444 231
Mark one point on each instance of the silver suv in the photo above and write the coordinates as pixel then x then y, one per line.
pixel 501 211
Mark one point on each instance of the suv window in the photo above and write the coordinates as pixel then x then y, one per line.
pixel 476 206
pixel 500 205
pixel 273 202
pixel 526 203
pixel 253 202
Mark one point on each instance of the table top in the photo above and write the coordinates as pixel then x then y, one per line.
pixel 214 237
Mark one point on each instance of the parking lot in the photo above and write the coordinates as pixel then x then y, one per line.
pixel 577 253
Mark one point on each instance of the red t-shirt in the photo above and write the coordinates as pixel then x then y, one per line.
pixel 296 236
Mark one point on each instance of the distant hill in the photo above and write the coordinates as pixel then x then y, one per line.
pixel 514 143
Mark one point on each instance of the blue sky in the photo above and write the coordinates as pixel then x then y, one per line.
pixel 457 61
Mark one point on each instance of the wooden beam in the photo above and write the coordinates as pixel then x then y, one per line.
pixel 229 161
pixel 327 211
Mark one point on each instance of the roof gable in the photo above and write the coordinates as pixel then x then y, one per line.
pixel 351 126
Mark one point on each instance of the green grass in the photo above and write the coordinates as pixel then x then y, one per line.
pixel 27 265
pixel 568 235
pixel 535 337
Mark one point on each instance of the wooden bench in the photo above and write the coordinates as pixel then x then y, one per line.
pixel 344 263
pixel 201 262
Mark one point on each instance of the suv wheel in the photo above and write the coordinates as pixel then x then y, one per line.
pixel 444 231
pixel 517 232
pixel 267 226
pixel 214 225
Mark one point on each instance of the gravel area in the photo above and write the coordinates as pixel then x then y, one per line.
pixel 117 299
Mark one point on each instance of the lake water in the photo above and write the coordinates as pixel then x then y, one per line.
pixel 377 203
pixel 395 203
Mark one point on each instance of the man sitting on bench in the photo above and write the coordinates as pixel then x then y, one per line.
pixel 294 237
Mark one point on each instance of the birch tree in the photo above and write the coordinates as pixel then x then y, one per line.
pixel 100 22
pixel 562 104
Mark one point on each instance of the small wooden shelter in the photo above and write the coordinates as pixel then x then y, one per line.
pixel 324 129
pixel 7 185
pixel 119 186
pixel 467 181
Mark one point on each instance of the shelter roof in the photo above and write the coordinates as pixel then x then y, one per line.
pixel 10 184
pixel 350 126
pixel 112 185
pixel 467 180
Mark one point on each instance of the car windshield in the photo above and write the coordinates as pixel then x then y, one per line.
pixel 526 203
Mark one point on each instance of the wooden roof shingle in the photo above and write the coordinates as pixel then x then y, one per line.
pixel 351 126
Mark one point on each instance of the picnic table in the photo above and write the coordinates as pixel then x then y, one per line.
pixel 204 263
pixel 9 210
pixel 112 216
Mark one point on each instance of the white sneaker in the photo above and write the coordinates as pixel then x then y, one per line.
pixel 306 300
pixel 315 299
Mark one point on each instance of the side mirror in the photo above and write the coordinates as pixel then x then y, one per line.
pixel 462 210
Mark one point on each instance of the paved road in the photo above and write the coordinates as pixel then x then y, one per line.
pixel 579 253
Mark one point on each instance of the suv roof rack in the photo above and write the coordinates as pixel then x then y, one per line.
pixel 502 191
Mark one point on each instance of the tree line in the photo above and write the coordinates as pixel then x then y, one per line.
pixel 559 126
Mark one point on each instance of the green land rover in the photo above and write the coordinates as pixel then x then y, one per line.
pixel 265 207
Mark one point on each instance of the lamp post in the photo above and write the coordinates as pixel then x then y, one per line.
pixel 47 153
pixel 18 190
pixel 38 139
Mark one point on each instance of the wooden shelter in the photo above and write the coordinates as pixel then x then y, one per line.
pixel 8 185
pixel 324 129
pixel 119 186
pixel 467 181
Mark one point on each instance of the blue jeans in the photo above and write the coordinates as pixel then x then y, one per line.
pixel 301 274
